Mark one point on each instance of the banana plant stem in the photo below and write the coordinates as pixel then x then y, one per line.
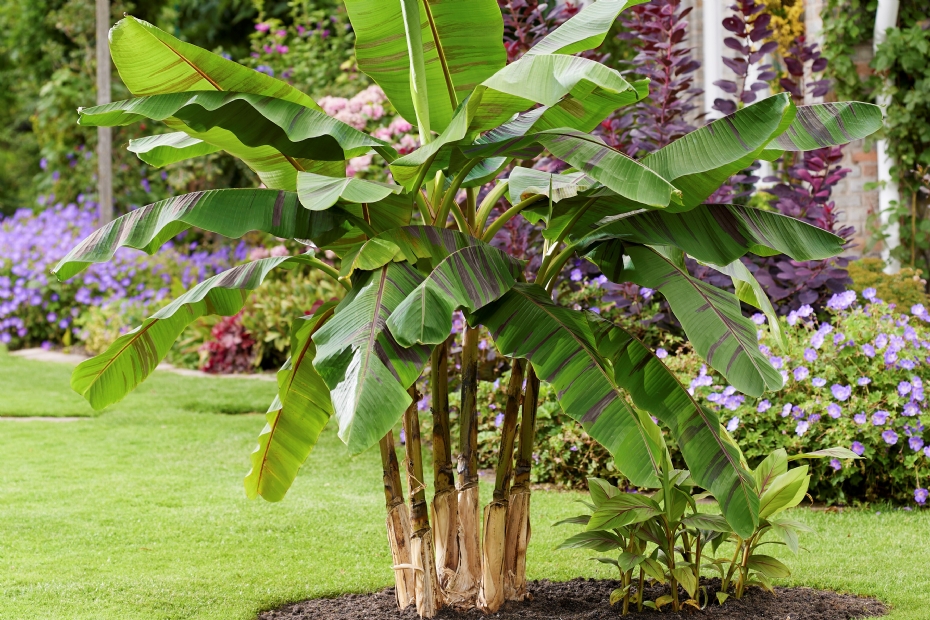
pixel 487 205
pixel 508 215
pixel 331 272
pixel 449 196
pixel 509 432
pixel 556 266
pixel 544 268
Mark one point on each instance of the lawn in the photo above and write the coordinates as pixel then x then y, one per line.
pixel 140 513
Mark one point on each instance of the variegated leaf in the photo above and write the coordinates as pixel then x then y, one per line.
pixel 713 462
pixel 469 279
pixel 318 192
pixel 168 148
pixel 710 317
pixel 585 30
pixel 108 377
pixel 366 370
pixel 296 418
pixel 414 244
pixel 826 124
pixel 526 323
pixel 228 212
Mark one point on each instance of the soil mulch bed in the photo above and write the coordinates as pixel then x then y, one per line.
pixel 587 599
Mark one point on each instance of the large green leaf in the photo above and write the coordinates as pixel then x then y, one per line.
pixel 228 212
pixel 714 463
pixel 418 245
pixel 701 161
pixel 366 370
pixel 255 120
pixel 168 148
pixel 575 93
pixel 527 182
pixel 465 36
pixel 710 317
pixel 393 211
pixel 826 124
pixel 152 62
pixel 560 343
pixel 108 377
pixel 714 233
pixel 749 290
pixel 469 279
pixel 318 192
pixel 586 30
pixel 296 418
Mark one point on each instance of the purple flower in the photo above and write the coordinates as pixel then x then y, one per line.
pixel 863 381
pixel 801 373
pixel 916 443
pixel 732 403
pixel 786 409
pixel 841 392
pixel 801 428
pixel 646 292
pixel 842 301
pixel 810 355
pixel 890 437
pixel 262 27
pixel 661 353
pixel 857 447
pixel 907 364
pixel 834 410
pixel 879 417
pixel 920 496
pixel 868 350
pixel 904 388
pixel 499 419
pixel 818 382
pixel 758 318
pixel 805 311
pixel 574 449
pixel 859 418
pixel 733 424
pixel 265 69
pixel 918 310
pixel 817 340
pixel 764 406
pixel 881 341
pixel 835 464
pixel 927 451
pixel 890 357
pixel 869 294
pixel 576 275
pixel 776 362
pixel 403 437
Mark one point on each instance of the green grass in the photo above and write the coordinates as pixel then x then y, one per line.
pixel 49 392
pixel 140 513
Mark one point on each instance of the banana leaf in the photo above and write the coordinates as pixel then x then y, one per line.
pixel 168 148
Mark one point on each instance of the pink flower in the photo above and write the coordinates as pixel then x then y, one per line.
pixel 262 27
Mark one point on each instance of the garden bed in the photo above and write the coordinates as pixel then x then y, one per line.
pixel 588 599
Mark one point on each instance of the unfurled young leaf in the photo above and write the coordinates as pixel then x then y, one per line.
pixel 837 452
pixel 771 467
pixel 786 491
pixel 601 540
pixel 318 192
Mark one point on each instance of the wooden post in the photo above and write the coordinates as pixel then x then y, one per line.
pixel 104 134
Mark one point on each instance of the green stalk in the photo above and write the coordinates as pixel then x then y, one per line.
pixel 548 259
pixel 509 432
pixel 419 512
pixel 527 429
pixel 670 552
pixel 449 197
pixel 508 215
pixel 487 205
pixel 639 594
pixel 331 272
pixel 468 411
pixel 411 15
pixel 556 266
pixel 443 469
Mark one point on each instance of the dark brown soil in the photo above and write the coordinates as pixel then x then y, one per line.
pixel 587 599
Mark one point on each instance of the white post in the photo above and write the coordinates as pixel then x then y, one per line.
pixel 886 17
pixel 104 134
pixel 712 47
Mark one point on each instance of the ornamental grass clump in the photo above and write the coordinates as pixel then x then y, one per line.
pixel 412 252
pixel 857 376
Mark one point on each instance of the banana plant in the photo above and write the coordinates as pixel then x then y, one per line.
pixel 413 251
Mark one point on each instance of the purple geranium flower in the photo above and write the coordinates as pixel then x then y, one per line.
pixel 733 424
pixel 801 373
pixel 801 428
pixel 764 406
pixel 842 301
pixel 786 409
pixel 857 447
pixel 890 437
pixel 921 495
pixel 810 355
pixel 916 443
pixel 911 409
pixel 863 381
pixel 869 293
pixel 879 417
pixel 818 382
pixel 868 350
pixel 835 464
pixel 834 410
pixel 758 318
pixel 499 419
pixel 841 392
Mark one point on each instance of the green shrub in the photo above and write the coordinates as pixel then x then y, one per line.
pixel 904 288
